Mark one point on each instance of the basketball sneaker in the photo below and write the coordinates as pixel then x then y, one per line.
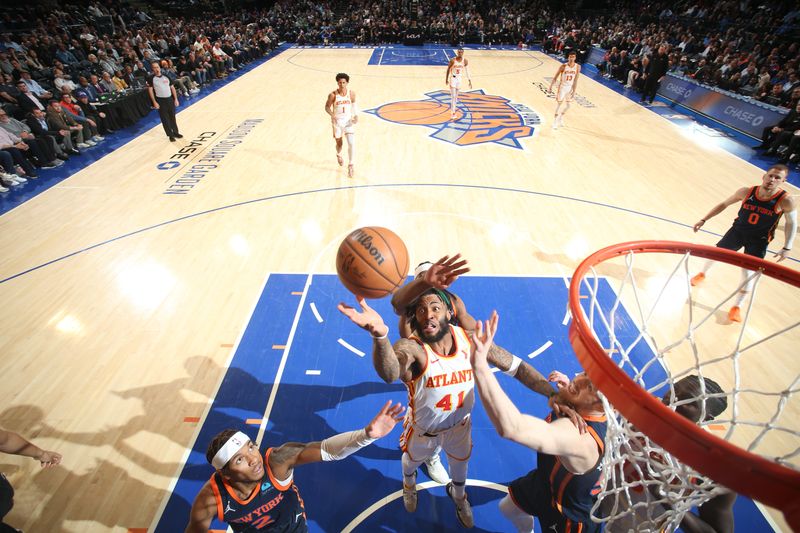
pixel 697 279
pixel 735 314
pixel 436 470
pixel 410 495
pixel 463 508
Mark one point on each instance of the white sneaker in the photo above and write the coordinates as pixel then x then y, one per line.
pixel 83 145
pixel 3 189
pixel 98 138
pixel 194 91
pixel 555 124
pixel 436 470
pixel 91 143
pixel 18 179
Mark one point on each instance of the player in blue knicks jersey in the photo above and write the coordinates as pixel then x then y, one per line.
pixel 760 210
pixel 253 493
pixel 559 492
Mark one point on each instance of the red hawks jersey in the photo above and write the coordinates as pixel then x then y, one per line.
pixel 568 75
pixel 443 395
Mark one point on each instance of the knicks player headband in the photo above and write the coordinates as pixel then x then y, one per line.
pixel 229 449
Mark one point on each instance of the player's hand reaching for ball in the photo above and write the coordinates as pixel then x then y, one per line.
pixel 445 271
pixel 482 338
pixel 367 318
pixel 385 420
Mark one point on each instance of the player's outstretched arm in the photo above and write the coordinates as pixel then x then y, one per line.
pixel 335 448
pixel 391 362
pixel 14 444
pixel 440 275
pixel 523 372
pixel 558 438
pixel 736 197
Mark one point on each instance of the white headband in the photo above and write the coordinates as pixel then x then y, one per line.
pixel 229 449
pixel 422 268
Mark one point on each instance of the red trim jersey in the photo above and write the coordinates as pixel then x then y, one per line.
pixel 568 76
pixel 757 216
pixel 342 107
pixel 444 394
pixel 272 506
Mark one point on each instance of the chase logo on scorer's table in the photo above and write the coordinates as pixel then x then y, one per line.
pixel 480 118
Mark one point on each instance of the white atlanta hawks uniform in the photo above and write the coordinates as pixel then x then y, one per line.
pixel 440 402
pixel 565 83
pixel 343 115
pixel 455 73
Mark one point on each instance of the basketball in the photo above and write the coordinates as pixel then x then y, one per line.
pixel 417 113
pixel 372 262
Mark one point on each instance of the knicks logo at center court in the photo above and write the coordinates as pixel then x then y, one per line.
pixel 480 118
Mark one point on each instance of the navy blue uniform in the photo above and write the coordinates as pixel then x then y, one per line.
pixel 271 506
pixel 561 500
pixel 755 224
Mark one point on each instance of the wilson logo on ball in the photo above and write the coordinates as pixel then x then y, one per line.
pixel 365 240
pixel 372 262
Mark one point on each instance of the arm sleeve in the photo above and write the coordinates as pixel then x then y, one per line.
pixel 340 446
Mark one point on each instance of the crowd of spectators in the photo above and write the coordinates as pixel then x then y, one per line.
pixel 746 48
pixel 60 65
pixel 62 62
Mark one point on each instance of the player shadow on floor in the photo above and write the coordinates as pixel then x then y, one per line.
pixel 60 485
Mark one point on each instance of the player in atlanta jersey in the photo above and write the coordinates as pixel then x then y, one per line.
pixel 567 76
pixel 254 493
pixel 434 365
pixel 456 68
pixel 341 106
pixel 761 208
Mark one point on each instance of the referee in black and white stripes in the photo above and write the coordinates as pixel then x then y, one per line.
pixel 165 99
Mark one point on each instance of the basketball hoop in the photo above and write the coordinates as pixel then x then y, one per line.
pixel 637 337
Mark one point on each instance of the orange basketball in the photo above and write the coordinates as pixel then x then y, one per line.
pixel 418 113
pixel 372 262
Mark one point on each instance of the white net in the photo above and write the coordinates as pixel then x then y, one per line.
pixel 737 380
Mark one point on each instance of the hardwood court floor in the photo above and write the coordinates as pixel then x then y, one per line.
pixel 108 284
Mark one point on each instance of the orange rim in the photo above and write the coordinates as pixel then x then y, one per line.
pixel 745 472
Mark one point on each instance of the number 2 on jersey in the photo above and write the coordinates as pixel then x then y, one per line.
pixel 446 404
